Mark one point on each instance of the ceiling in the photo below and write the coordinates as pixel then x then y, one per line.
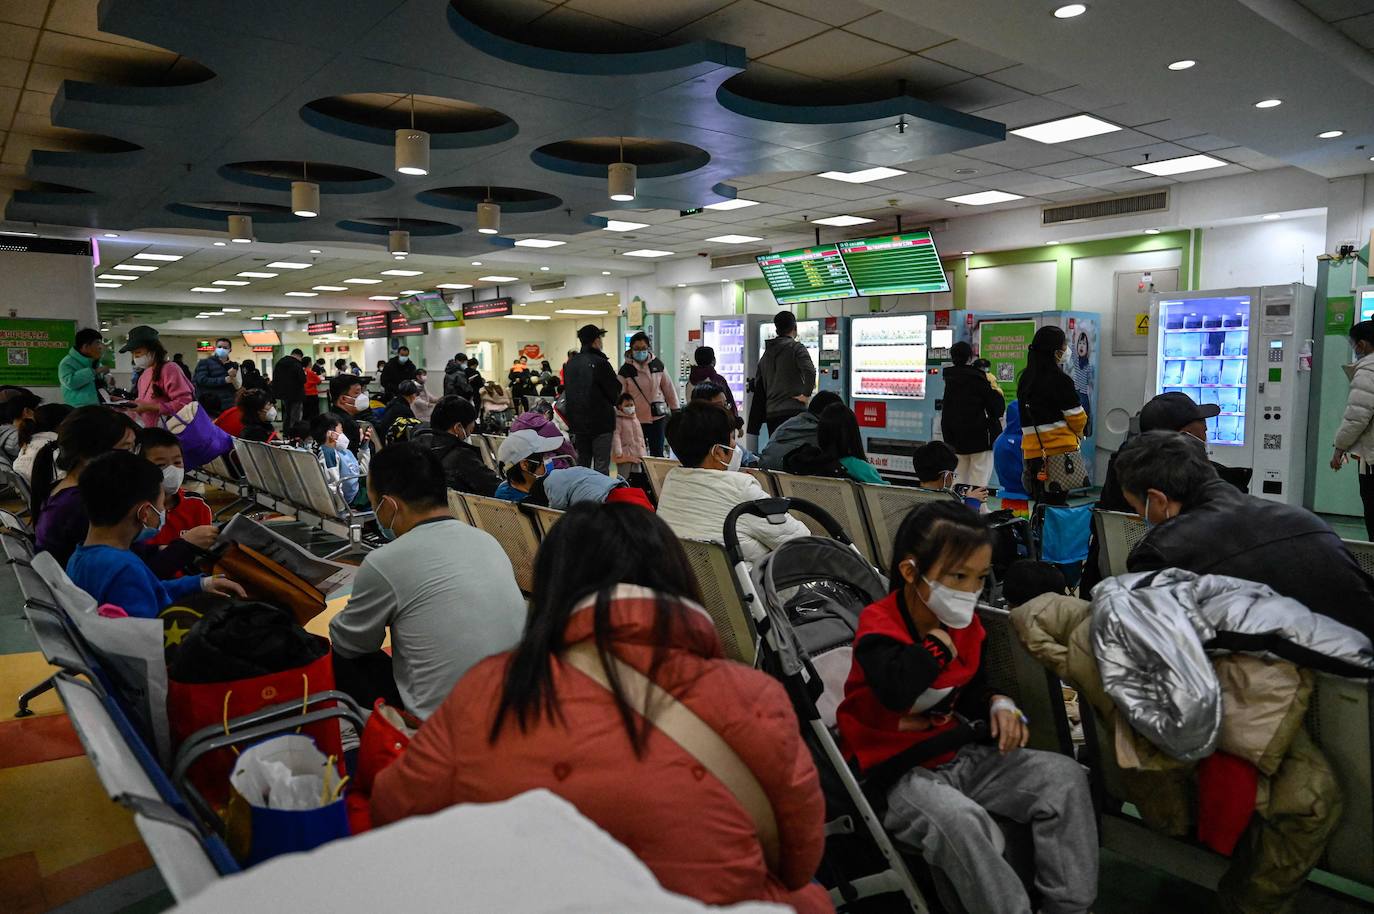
pixel 771 92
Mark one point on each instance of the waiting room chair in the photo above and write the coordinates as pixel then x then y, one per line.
pixel 721 597
pixel 658 469
pixel 885 507
pixel 1340 720
pixel 765 479
pixel 513 529
pixel 840 498
pixel 1012 671
pixel 458 508
pixel 1117 534
pixel 544 518
pixel 1363 553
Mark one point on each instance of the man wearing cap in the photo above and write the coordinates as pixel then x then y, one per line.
pixel 526 458
pixel 591 395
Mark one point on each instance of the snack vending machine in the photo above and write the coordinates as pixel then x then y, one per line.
pixel 1248 352
pixel 735 340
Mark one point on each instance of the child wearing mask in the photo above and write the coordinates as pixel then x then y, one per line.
pixel 124 499
pixel 188 516
pixel 628 448
pixel 327 432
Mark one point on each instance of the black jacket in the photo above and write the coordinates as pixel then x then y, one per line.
pixel 288 379
pixel 464 470
pixel 971 411
pixel 591 393
pixel 398 408
pixel 456 383
pixel 395 372
pixel 214 390
pixel 1282 546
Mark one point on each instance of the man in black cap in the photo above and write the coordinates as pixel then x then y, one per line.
pixel 591 394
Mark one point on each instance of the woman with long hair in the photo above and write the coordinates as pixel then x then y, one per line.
pixel 36 432
pixel 161 393
pixel 839 438
pixel 59 517
pixel 616 604
pixel 256 415
pixel 1053 421
pixel 926 730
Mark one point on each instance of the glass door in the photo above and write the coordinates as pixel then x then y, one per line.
pixel 1205 353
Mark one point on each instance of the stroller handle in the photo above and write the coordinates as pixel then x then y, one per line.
pixel 772 510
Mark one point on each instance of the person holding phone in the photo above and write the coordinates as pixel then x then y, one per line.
pixel 643 377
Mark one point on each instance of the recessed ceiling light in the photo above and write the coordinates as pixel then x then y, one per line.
pixel 290 265
pixel 966 253
pixel 1051 242
pixel 202 317
pixel 118 276
pixel 381 298
pixel 648 252
pixel 682 285
pixel 477 263
pixel 984 198
pixel 1269 217
pixel 316 251
pixel 543 269
pixel 610 294
pixel 590 312
pixel 863 176
pixel 207 289
pixel 1182 64
pixel 841 220
pixel 402 273
pixel 605 272
pixel 538 243
pixel 303 294
pixel 454 285
pixel 298 313
pixel 330 288
pixel 146 256
pixel 241 240
pixel 497 278
pixel 1330 134
pixel 736 203
pixel 230 282
pixel 399 257
pixel 734 239
pixel 112 234
pixel 279 315
pixel 357 281
pixel 231 310
pixel 1066 128
pixel 548 301
pixel 1179 166
pixel 220 244
pixel 252 275
pixel 1269 103
pixel 1152 231
pixel 619 225
pixel 411 291
pixel 1070 11
pixel 134 268
pixel 20 234
pixel 106 285
pixel 527 317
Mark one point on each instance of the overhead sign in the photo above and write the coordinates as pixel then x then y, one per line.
pixel 204 346
pixel 320 327
pixel 262 348
pixel 376 326
pixel 895 264
pixel 807 274
pixel 33 349
pixel 402 327
pixel 492 307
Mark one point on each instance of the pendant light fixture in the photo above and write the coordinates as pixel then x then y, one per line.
pixel 305 196
pixel 620 178
pixel 488 216
pixel 412 147
pixel 241 229
pixel 398 242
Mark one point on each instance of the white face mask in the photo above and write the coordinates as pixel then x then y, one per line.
pixel 362 402
pixel 341 443
pixel 954 608
pixel 142 361
pixel 271 414
pixel 628 410
pixel 172 478
pixel 736 459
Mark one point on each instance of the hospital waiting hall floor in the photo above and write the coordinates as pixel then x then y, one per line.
pixel 66 848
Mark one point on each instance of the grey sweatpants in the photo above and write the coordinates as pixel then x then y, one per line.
pixel 945 814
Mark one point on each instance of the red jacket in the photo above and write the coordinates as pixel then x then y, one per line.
pixel 893 670
pixel 682 822
pixel 312 383
pixel 190 512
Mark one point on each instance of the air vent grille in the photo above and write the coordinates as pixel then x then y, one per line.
pixel 556 285
pixel 734 260
pixel 1106 208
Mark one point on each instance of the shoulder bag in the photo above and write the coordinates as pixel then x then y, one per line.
pixel 1060 474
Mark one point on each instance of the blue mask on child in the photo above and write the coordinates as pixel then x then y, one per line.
pixel 148 533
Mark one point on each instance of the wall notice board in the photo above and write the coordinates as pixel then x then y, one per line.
pixel 30 350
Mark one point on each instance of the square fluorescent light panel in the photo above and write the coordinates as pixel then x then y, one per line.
pixel 647 252
pixel 1180 165
pixel 402 272
pixel 736 203
pixel 618 225
pixel 330 288
pixel 454 285
pixel 984 198
pixel 841 220
pixel 166 257
pixel 497 278
pixel 251 275
pixel 290 265
pixel 538 243
pixel 734 239
pixel 361 282
pixel 863 176
pixel 1078 127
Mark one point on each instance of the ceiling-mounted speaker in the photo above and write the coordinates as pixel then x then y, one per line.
pixel 241 229
pixel 412 151
pixel 488 218
pixel 620 181
pixel 398 242
pixel 305 198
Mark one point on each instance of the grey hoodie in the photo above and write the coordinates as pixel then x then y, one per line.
pixel 796 432
pixel 786 373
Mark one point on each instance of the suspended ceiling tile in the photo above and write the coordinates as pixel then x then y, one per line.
pixel 1333 10
pixel 1130 114
pixel 12 72
pixel 1029 79
pixel 1017 152
pixel 1108 142
pixel 1107 178
pixel 781 196
pixel 1077 193
pixel 761 79
pixel 976 94
pixel 658 18
pixel 1082 98
pixel 911 181
pixel 922 76
pixel 1027 185
pixel 553 25
pixel 17 41
pixel 1137 156
pixel 508 14
pixel 826 188
pixel 1082 165
pixel 758 28
pixel 952 189
pixel 897 31
pixel 832 55
pixel 950 171
pixel 1205 143
pixel 1168 130
pixel 1026 111
pixel 826 11
pixel 9 101
pixel 38 104
pixel 968 57
pixel 23 12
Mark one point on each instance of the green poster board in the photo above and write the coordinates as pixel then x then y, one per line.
pixel 1005 344
pixel 30 350
pixel 1340 315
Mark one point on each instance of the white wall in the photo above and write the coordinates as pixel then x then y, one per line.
pixel 556 337
pixel 1014 289
pixel 1262 253
pixel 51 286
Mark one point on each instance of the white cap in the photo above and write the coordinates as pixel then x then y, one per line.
pixel 524 444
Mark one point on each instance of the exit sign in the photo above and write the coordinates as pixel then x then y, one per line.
pixel 690 212
pixel 204 346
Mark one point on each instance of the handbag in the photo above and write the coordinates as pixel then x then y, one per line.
pixel 202 441
pixel 1060 474
pixel 385 736
pixel 285 797
pixel 270 582
pixel 678 722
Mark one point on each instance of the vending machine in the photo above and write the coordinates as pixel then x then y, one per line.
pixel 1247 351
pixel 808 334
pixel 735 340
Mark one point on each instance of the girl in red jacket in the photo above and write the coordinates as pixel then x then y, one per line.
pixel 925 730
pixel 612 587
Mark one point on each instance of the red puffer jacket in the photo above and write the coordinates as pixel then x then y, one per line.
pixel 665 807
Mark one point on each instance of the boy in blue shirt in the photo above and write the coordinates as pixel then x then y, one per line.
pixel 125 500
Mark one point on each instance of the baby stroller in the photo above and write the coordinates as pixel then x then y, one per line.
pixel 805 599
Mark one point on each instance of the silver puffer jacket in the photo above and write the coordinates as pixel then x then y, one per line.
pixel 1149 632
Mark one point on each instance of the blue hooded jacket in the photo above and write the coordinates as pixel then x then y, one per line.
pixel 1006 454
pixel 574 485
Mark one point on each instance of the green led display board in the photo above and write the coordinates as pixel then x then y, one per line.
pixel 806 274
pixel 894 264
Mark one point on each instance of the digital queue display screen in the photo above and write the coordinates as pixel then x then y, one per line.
pixel 806 274
pixel 895 264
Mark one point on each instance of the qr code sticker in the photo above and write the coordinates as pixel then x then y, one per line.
pixel 16 356
pixel 1273 442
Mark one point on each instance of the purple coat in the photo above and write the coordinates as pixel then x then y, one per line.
pixel 545 429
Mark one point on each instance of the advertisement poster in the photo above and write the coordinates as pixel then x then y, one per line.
pixel 32 350
pixel 1339 315
pixel 1005 344
pixel 533 351
pixel 1082 367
